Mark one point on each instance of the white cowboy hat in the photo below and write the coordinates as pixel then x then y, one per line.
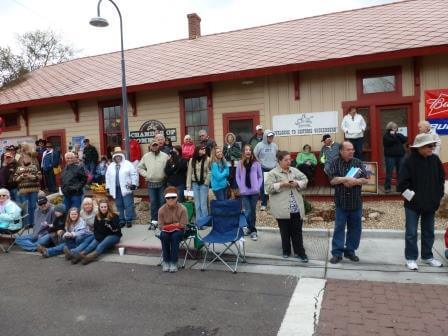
pixel 423 140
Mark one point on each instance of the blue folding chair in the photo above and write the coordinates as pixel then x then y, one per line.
pixel 227 222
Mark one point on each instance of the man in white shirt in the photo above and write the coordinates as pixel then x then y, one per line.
pixel 353 125
pixel 425 127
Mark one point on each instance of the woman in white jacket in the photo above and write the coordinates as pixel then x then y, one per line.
pixel 353 125
pixel 121 181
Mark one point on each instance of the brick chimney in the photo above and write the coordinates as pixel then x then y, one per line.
pixel 194 26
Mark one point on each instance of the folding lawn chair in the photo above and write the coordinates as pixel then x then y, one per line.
pixel 227 223
pixel 18 228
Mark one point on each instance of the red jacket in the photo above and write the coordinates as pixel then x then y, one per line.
pixel 187 151
pixel 446 238
pixel 135 151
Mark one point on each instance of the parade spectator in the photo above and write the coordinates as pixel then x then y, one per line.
pixel 10 212
pixel 306 162
pixel 446 243
pixel 100 175
pixel 7 172
pixel 43 217
pixel 348 202
pixel 78 151
pixel 152 168
pixel 353 125
pixel 393 152
pixel 219 174
pixel 40 149
pixel 188 147
pixel 257 137
pixel 266 153
pixel 206 141
pixel 57 228
pixel 75 232
pixel 176 172
pixel 232 154
pixel 160 138
pixel 106 231
pixel 283 184
pixel 198 180
pixel 50 159
pixel 329 151
pixel 421 181
pixel 27 177
pixel 249 178
pixel 24 149
pixel 424 127
pixel 73 179
pixel 172 221
pixel 90 156
pixel 121 181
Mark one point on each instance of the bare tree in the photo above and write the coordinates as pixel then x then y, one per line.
pixel 11 66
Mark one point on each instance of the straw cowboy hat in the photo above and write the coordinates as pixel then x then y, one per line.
pixel 423 140
pixel 117 150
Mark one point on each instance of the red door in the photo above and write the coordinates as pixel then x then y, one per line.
pixel 242 124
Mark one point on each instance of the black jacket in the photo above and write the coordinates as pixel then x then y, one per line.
pixel 73 180
pixel 424 176
pixel 58 224
pixel 104 227
pixel 393 144
pixel 176 171
pixel 90 154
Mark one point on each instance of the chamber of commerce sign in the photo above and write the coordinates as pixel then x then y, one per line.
pixel 149 129
pixel 305 123
pixel 436 104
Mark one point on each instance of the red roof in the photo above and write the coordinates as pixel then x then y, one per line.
pixel 416 26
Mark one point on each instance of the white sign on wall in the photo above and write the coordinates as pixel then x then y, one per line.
pixel 305 123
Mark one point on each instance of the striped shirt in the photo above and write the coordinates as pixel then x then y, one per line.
pixel 346 198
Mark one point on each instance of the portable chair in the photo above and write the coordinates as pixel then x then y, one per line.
pixel 227 223
pixel 19 228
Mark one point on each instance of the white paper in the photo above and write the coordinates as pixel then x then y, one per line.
pixel 188 193
pixel 408 194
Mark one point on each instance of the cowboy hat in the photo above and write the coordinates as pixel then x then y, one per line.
pixel 117 150
pixel 40 141
pixel 423 140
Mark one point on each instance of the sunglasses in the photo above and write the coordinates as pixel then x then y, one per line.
pixel 171 198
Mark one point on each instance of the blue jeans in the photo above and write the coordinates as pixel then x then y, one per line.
pixel 28 243
pixel 357 144
pixel 125 205
pixel 14 195
pixel 99 247
pixel 391 163
pixel 200 199
pixel 82 244
pixel 73 201
pixel 263 196
pixel 351 218
pixel 31 198
pixel 58 249
pixel 50 180
pixel 427 229
pixel 250 210
pixel 157 199
pixel 221 194
pixel 91 167
pixel 170 245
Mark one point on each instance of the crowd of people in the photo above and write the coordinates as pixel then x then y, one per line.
pixel 256 170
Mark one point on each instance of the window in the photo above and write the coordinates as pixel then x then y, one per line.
pixel 379 82
pixel 196 115
pixel 10 121
pixel 111 126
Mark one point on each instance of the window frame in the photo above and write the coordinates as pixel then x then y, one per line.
pixel 379 72
pixel 13 128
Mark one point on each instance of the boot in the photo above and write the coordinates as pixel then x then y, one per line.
pixel 77 258
pixel 89 258
pixel 68 253
pixel 42 250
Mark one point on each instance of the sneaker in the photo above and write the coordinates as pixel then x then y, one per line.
pixel 335 259
pixel 351 256
pixel 302 258
pixel 432 262
pixel 254 236
pixel 412 265
pixel 121 224
pixel 165 267
pixel 246 231
pixel 263 208
pixel 286 256
pixel 173 268
pixel 387 191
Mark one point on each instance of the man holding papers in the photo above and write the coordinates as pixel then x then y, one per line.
pixel 421 183
pixel 347 174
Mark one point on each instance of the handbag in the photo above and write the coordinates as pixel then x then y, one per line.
pixel 57 170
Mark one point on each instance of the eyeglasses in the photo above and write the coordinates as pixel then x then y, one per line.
pixel 3 195
pixel 171 198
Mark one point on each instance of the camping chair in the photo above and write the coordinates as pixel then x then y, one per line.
pixel 227 223
pixel 13 234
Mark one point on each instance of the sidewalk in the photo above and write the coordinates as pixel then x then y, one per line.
pixel 381 254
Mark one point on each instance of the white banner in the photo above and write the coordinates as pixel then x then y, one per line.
pixel 305 123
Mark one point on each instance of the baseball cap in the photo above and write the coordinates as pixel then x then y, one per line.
pixel 270 134
pixel 42 200
pixel 259 127
pixel 325 137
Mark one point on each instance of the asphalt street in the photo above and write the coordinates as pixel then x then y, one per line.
pixel 52 297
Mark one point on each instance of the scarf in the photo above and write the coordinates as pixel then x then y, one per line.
pixel 248 166
pixel 201 180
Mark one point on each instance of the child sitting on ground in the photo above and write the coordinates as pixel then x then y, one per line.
pixel 57 228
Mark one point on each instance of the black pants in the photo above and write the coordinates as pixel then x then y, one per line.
pixel 308 170
pixel 291 231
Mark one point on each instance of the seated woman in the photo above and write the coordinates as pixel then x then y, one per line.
pixel 307 162
pixel 172 221
pixel 57 228
pixel 10 212
pixel 75 231
pixel 106 231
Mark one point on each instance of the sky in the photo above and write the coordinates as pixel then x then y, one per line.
pixel 151 21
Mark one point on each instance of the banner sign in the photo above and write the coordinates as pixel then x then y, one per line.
pixel 16 141
pixel 149 129
pixel 436 104
pixel 439 125
pixel 305 123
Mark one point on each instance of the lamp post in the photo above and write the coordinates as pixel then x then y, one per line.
pixel 102 22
